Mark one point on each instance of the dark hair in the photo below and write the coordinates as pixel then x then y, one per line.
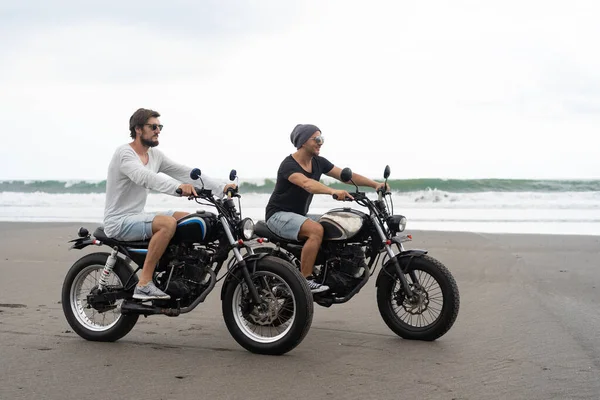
pixel 139 118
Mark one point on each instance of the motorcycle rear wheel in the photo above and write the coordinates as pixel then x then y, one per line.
pixel 108 325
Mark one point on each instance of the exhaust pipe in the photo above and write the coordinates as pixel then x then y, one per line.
pixel 128 308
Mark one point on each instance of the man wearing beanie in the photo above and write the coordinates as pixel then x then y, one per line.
pixel 297 180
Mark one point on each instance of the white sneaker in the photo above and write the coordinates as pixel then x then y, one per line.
pixel 316 287
pixel 149 292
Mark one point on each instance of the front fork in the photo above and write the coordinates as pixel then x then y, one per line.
pixel 390 251
pixel 241 262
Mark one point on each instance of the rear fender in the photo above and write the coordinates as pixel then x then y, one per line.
pixel 235 272
pixel 404 258
pixel 81 243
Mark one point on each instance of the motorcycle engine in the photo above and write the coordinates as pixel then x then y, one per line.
pixel 188 279
pixel 346 269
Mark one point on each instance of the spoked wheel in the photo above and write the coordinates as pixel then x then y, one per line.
pixel 433 307
pixel 281 320
pixel 98 321
pixel 271 320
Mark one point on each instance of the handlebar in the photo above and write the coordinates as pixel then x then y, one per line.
pixel 381 193
pixel 203 192
pixel 232 192
pixel 377 206
pixel 199 191
pixel 362 195
pixel 335 197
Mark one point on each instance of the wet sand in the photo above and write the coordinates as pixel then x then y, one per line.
pixel 528 328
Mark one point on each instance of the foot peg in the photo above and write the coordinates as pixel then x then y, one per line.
pixel 128 308
pixel 322 301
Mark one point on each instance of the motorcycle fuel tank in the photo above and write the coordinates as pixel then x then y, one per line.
pixel 195 228
pixel 342 223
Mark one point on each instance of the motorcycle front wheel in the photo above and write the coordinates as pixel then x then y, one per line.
pixel 433 308
pixel 282 319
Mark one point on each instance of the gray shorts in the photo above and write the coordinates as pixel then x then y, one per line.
pixel 287 224
pixel 138 226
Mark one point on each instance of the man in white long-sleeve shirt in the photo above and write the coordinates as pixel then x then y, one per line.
pixel 134 169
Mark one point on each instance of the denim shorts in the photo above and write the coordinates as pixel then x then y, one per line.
pixel 138 226
pixel 287 224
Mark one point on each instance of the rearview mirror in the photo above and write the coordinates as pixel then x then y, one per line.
pixel 346 175
pixel 386 172
pixel 195 174
pixel 232 175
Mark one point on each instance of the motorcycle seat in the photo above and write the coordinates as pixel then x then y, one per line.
pixel 101 236
pixel 262 230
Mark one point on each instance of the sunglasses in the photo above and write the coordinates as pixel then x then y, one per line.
pixel 154 126
pixel 319 139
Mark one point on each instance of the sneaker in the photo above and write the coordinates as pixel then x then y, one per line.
pixel 316 287
pixel 149 292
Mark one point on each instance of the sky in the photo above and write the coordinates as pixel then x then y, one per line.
pixel 447 89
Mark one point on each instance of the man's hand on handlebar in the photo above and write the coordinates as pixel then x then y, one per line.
pixel 230 189
pixel 187 190
pixel 383 187
pixel 341 195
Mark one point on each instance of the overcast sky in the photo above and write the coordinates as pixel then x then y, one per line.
pixel 449 89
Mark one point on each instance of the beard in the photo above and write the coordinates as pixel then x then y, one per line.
pixel 148 142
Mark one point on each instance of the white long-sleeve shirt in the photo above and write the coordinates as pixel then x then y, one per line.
pixel 129 180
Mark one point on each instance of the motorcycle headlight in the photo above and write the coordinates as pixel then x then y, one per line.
pixel 247 228
pixel 396 223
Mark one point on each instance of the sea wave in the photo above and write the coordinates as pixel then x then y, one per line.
pixel 440 187
pixel 516 212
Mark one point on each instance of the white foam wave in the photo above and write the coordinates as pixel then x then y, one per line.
pixel 569 212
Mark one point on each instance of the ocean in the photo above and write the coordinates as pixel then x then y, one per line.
pixel 483 205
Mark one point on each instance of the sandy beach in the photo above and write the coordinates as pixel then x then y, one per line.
pixel 528 328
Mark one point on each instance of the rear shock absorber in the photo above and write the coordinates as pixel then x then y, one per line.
pixel 108 267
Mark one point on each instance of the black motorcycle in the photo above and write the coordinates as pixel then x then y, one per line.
pixel 416 294
pixel 266 303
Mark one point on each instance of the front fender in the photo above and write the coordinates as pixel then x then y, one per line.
pixel 404 258
pixel 274 252
pixel 250 260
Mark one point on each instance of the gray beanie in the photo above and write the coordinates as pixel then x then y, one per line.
pixel 301 133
